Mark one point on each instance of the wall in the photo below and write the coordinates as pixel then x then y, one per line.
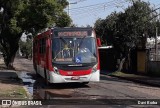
pixel 141 61
pixel 154 68
pixel 107 59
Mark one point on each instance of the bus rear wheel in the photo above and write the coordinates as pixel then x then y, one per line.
pixel 84 83
pixel 36 70
pixel 47 83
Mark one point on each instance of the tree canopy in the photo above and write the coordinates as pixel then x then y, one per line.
pixel 29 16
pixel 129 29
pixel 125 29
pixel 26 47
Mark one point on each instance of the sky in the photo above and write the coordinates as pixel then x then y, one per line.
pixel 86 12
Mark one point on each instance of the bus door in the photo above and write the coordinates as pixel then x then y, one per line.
pixel 48 53
pixel 42 52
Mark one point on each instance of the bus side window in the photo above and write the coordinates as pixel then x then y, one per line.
pixel 42 46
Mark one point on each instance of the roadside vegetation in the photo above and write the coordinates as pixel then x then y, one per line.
pixel 26 48
pixel 122 74
pixel 129 29
pixel 16 92
pixel 27 16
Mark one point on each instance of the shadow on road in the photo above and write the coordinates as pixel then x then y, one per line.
pixel 9 77
pixel 39 90
pixel 109 78
pixel 39 81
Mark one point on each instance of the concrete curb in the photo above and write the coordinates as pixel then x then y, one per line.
pixel 29 96
pixel 9 74
pixel 138 81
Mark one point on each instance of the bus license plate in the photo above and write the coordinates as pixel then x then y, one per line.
pixel 75 78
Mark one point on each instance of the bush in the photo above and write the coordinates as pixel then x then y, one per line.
pixel 26 48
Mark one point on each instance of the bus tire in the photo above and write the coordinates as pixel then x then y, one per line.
pixel 36 70
pixel 84 83
pixel 46 81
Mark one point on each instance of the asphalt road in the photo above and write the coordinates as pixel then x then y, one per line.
pixel 108 88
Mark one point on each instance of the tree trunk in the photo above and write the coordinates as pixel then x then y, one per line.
pixel 10 55
pixel 10 47
pixel 126 58
pixel 10 60
pixel 121 64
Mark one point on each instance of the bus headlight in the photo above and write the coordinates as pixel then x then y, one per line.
pixel 94 69
pixel 55 69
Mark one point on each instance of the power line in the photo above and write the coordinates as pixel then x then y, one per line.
pixel 82 0
pixel 88 14
pixel 77 1
pixel 89 10
pixel 95 8
pixel 92 5
pixel 103 5
pixel 74 3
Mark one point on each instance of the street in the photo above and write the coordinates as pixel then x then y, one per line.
pixel 80 53
pixel 107 88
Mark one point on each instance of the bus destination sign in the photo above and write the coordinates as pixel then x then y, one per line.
pixel 73 33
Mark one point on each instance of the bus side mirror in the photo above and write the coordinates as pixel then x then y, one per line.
pixel 99 42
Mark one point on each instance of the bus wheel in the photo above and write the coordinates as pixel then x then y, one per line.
pixel 36 70
pixel 46 81
pixel 84 83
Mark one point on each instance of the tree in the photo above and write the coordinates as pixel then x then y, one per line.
pixel 106 28
pixel 29 16
pixel 26 47
pixel 125 30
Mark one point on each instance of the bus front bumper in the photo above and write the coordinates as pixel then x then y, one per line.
pixel 55 78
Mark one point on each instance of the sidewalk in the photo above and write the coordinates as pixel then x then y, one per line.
pixel 152 81
pixel 11 87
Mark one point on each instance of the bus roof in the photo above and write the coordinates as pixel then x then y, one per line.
pixel 72 28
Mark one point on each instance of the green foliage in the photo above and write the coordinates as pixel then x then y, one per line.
pixel 63 20
pixel 26 48
pixel 40 14
pixel 125 30
pixel 29 16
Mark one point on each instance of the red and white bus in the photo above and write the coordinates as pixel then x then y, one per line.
pixel 63 55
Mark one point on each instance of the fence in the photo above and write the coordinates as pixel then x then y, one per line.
pixel 154 64
pixel 154 57
pixel 154 68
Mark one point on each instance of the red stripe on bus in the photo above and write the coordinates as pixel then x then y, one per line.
pixel 75 72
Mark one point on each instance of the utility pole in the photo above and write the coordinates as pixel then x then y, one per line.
pixel 156 41
pixel 69 4
pixel 156 47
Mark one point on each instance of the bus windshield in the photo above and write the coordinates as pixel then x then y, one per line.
pixel 74 50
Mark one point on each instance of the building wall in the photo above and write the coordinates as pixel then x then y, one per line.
pixel 141 64
pixel 154 68
pixel 107 59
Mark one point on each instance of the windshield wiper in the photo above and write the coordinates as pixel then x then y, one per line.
pixel 63 40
